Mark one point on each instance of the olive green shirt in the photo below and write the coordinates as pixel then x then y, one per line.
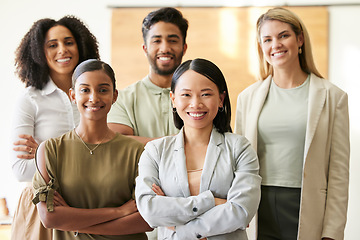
pixel 104 179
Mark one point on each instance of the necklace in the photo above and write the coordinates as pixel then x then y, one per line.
pixel 92 150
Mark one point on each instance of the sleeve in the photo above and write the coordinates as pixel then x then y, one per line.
pixel 164 210
pixel 338 181
pixel 242 200
pixel 44 192
pixel 23 123
pixel 121 110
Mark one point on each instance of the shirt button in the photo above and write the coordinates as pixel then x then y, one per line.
pixel 198 236
pixel 195 209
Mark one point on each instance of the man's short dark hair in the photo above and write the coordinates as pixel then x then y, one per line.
pixel 168 15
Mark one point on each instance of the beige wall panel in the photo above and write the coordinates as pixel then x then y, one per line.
pixel 225 36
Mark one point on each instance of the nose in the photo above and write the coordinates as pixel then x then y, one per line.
pixel 164 47
pixel 196 102
pixel 93 97
pixel 62 48
pixel 276 43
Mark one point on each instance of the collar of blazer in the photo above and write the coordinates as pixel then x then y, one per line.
pixel 317 98
pixel 212 155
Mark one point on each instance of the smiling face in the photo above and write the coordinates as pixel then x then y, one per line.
pixel 61 51
pixel 280 45
pixel 94 95
pixel 197 100
pixel 164 48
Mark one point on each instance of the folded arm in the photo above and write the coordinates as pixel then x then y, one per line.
pixel 96 221
pixel 242 201
pixel 164 210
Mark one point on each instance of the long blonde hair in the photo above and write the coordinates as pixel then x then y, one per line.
pixel 286 16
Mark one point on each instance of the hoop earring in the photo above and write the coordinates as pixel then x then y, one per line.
pixel 300 50
pixel 174 110
pixel 221 109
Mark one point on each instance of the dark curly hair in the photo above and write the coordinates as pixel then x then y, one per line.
pixel 168 15
pixel 214 74
pixel 30 60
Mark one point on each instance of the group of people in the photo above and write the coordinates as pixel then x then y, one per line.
pixel 160 154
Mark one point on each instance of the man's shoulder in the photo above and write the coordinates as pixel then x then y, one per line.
pixel 135 89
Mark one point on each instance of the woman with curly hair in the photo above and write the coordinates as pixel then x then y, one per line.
pixel 45 61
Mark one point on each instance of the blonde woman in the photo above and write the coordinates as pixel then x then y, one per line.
pixel 298 123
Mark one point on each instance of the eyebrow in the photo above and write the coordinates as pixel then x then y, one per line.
pixel 54 40
pixel 169 36
pixel 202 90
pixel 101 84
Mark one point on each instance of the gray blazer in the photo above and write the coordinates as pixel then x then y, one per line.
pixel 324 192
pixel 230 172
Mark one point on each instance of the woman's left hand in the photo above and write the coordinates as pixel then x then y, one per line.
pixel 59 201
pixel 157 190
pixel 26 144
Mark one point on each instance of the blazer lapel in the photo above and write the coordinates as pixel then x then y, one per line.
pixel 180 164
pixel 212 155
pixel 317 95
pixel 257 103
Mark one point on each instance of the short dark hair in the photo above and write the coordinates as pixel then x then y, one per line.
pixel 168 15
pixel 214 74
pixel 30 60
pixel 93 65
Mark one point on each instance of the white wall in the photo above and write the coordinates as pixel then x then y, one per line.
pixel 16 17
pixel 344 64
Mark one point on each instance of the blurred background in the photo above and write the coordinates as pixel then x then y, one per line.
pixel 220 30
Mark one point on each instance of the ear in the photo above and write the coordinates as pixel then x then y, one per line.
pixel 172 97
pixel 300 39
pixel 145 49
pixel 116 93
pixel 72 95
pixel 184 49
pixel 222 98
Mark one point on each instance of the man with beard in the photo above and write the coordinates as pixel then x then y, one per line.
pixel 143 110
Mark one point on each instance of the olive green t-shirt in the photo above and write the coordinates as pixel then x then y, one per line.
pixel 105 178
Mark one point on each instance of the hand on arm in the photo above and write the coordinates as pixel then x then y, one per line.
pixel 159 192
pixel 26 144
pixel 129 132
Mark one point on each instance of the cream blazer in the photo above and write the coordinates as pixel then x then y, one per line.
pixel 230 172
pixel 324 197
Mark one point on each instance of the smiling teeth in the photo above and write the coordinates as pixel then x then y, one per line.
pixel 278 54
pixel 63 60
pixel 196 114
pixel 93 108
pixel 164 58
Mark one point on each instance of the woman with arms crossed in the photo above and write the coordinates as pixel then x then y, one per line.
pixel 299 124
pixel 208 175
pixel 45 61
pixel 86 177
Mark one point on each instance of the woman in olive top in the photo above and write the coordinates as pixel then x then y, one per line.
pixel 86 178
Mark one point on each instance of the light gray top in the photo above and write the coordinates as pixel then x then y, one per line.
pixel 230 172
pixel 281 135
